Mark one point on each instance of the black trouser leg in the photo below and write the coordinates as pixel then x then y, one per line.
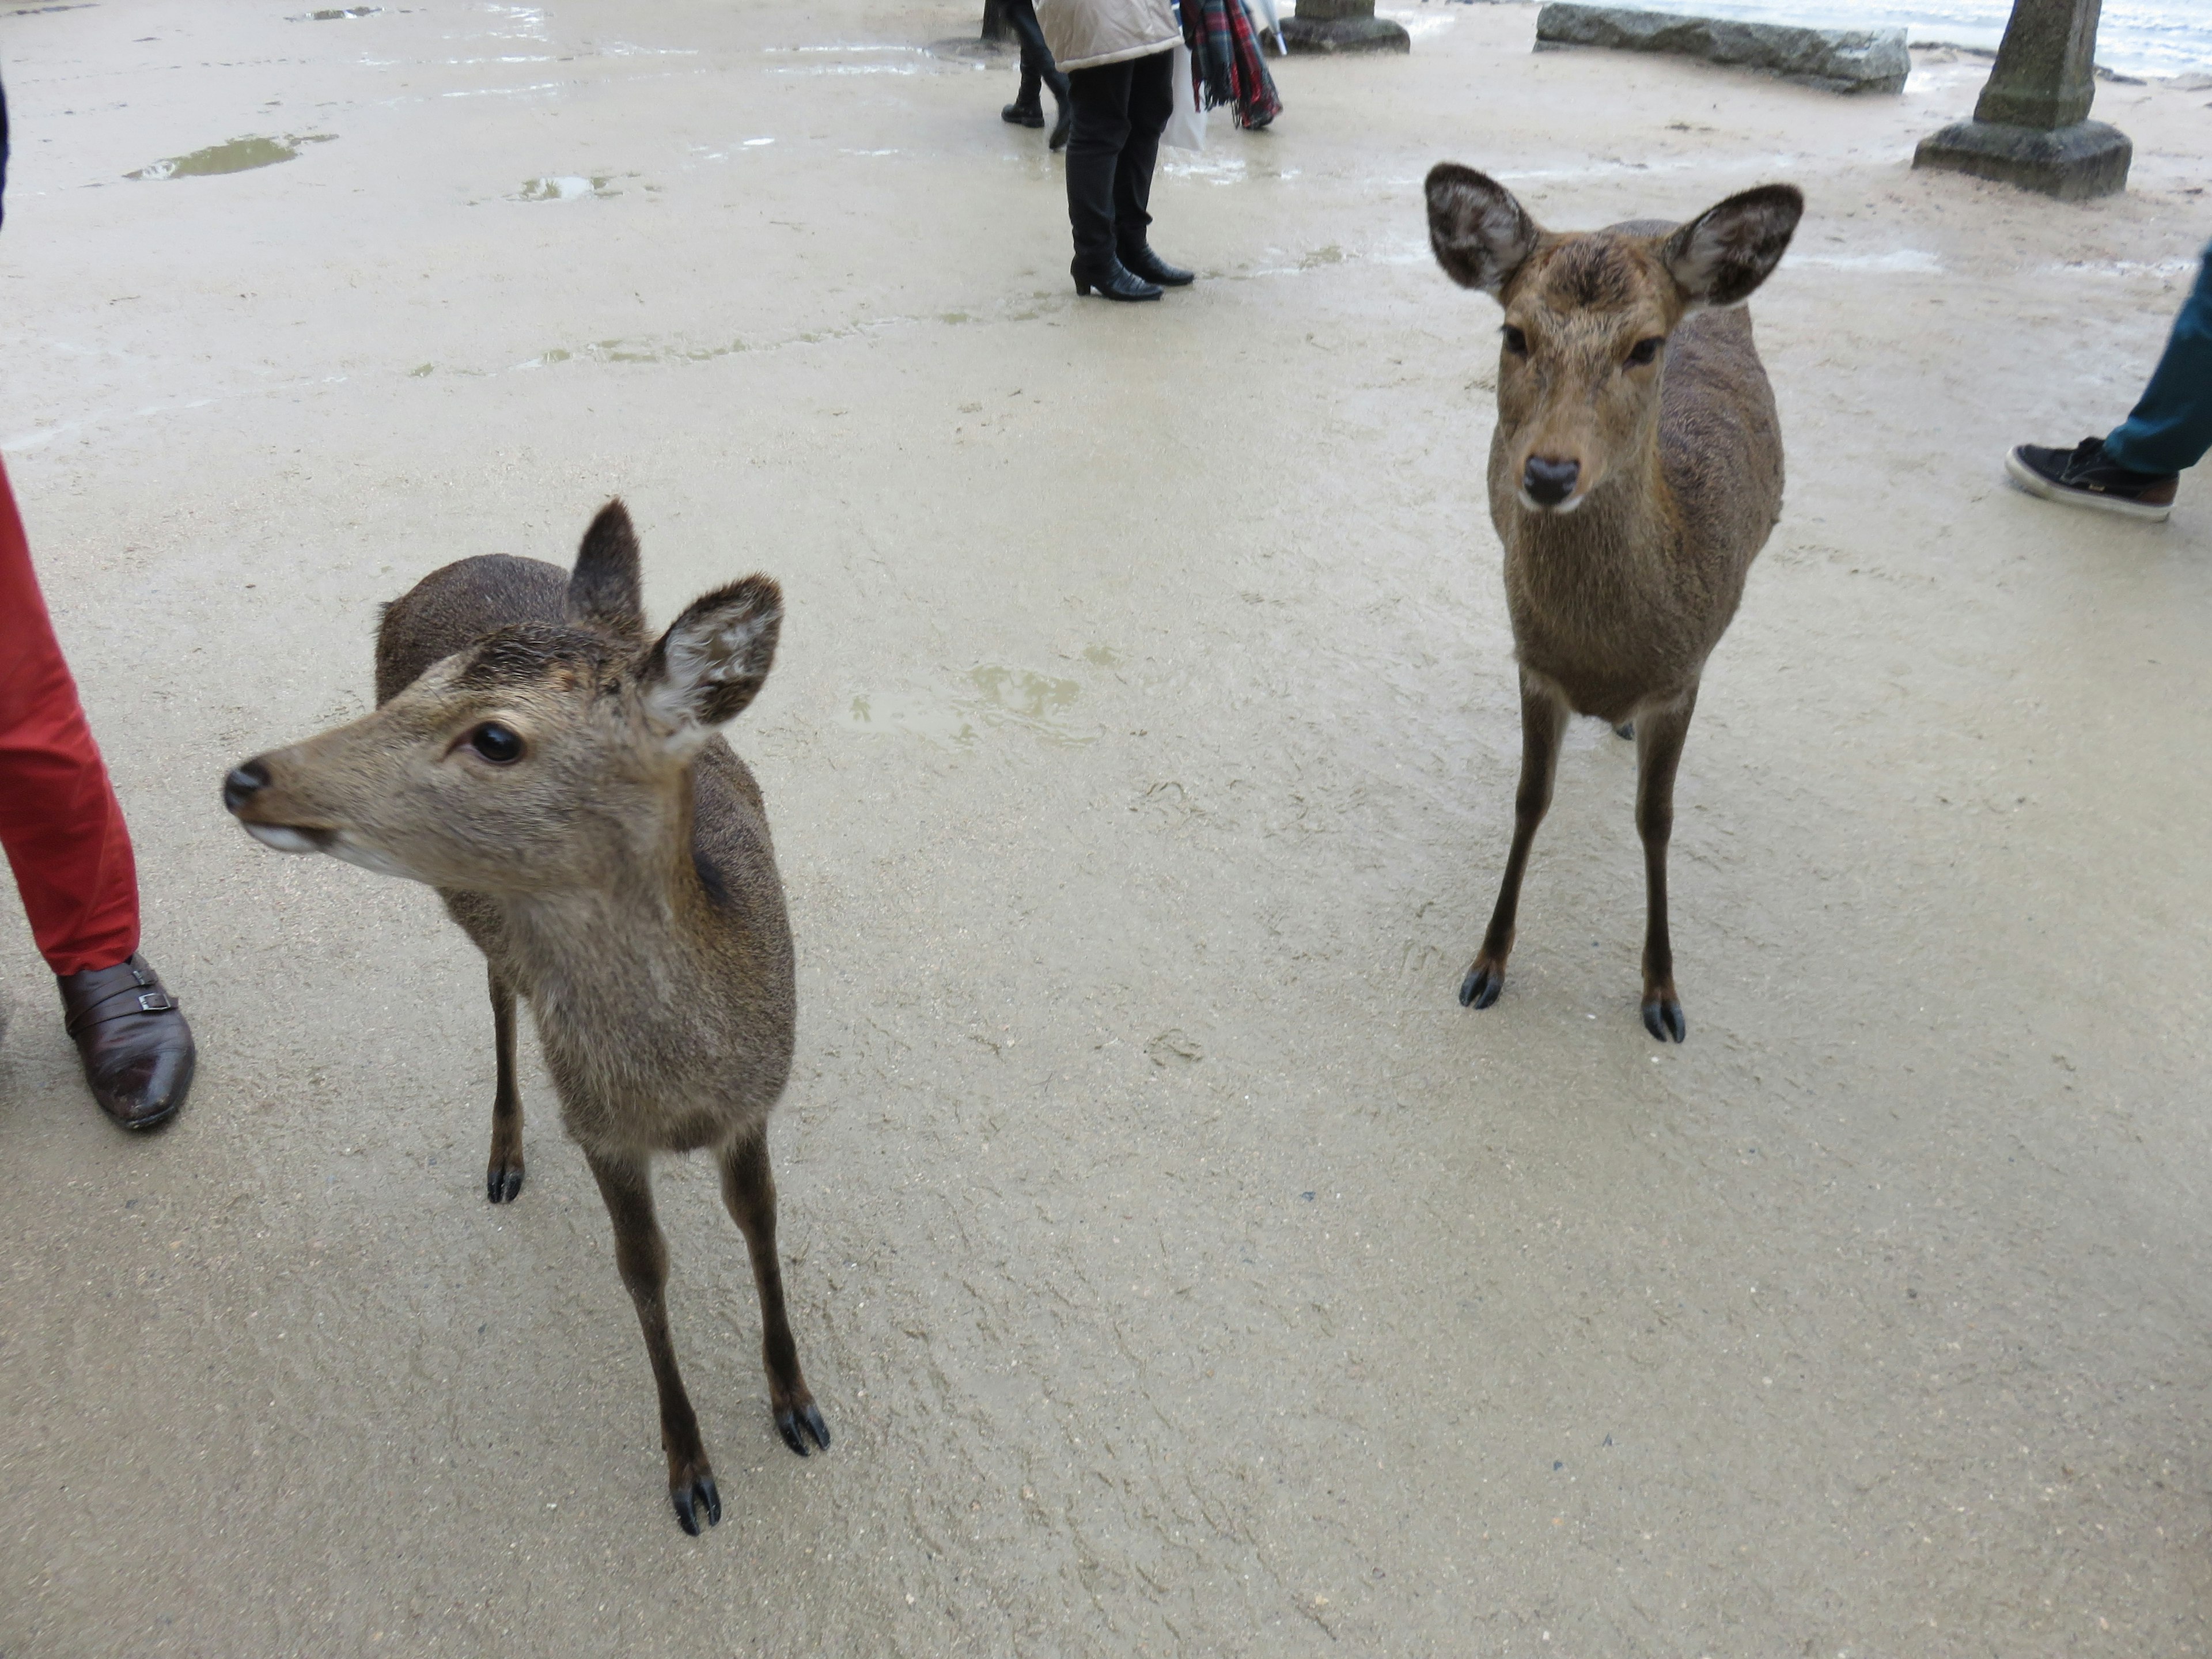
pixel 1094 157
pixel 1151 101
pixel 1037 66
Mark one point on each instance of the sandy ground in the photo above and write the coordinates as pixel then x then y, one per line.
pixel 1181 1269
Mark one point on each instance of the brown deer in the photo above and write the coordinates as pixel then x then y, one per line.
pixel 1635 472
pixel 559 781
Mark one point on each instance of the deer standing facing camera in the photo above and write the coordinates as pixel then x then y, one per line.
pixel 1635 472
pixel 559 781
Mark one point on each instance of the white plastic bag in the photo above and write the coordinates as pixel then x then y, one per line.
pixel 1265 21
pixel 1186 128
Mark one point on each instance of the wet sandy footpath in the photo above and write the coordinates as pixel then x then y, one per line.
pixel 1183 1271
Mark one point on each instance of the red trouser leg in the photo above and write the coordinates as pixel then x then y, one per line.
pixel 58 816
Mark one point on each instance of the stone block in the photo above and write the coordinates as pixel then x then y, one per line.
pixel 1341 25
pixel 2072 163
pixel 1834 60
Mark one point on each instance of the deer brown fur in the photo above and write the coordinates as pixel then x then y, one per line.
pixel 559 781
pixel 1635 472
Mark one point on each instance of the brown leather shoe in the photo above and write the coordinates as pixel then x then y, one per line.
pixel 136 1049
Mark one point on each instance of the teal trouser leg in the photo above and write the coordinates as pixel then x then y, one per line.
pixel 2171 429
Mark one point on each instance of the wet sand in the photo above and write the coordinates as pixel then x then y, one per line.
pixel 1181 1268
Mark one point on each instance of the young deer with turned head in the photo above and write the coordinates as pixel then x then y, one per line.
pixel 1635 472
pixel 558 779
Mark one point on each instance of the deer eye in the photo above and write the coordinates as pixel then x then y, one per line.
pixel 495 743
pixel 1644 350
pixel 1516 341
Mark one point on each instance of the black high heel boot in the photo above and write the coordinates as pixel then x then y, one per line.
pixel 1142 262
pixel 1112 281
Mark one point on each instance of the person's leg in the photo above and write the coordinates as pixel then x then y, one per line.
pixel 67 844
pixel 64 831
pixel 2171 427
pixel 1102 127
pixel 1037 68
pixel 1152 92
pixel 1150 103
pixel 2134 469
pixel 1020 15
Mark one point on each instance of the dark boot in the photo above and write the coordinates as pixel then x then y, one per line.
pixel 1028 108
pixel 1112 280
pixel 1141 261
pixel 137 1049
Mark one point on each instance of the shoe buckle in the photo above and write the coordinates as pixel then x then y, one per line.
pixel 156 1002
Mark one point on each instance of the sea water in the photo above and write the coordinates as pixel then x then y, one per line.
pixel 2134 37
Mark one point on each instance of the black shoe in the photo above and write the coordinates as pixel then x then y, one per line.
pixel 2083 477
pixel 1023 115
pixel 1149 265
pixel 137 1049
pixel 1113 282
pixel 1062 123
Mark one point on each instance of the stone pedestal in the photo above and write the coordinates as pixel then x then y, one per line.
pixel 1343 26
pixel 2030 126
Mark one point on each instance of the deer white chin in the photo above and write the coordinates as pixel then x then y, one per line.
pixel 284 838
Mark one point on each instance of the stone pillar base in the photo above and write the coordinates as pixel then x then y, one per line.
pixel 2072 163
pixel 1369 33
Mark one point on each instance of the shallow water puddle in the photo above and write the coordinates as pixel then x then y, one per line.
pixel 1904 261
pixel 564 187
pixel 239 155
pixel 334 14
pixel 994 696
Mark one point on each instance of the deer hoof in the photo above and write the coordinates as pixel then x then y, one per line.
pixel 1482 984
pixel 502 1181
pixel 790 1420
pixel 1662 1018
pixel 690 1494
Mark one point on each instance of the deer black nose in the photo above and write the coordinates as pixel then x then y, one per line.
pixel 242 782
pixel 1549 482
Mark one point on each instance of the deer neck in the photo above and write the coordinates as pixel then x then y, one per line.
pixel 640 935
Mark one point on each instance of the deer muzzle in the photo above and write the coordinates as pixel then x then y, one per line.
pixel 242 788
pixel 1548 481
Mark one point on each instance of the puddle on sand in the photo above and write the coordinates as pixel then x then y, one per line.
pixel 566 187
pixel 1904 261
pixel 992 697
pixel 239 155
pixel 917 713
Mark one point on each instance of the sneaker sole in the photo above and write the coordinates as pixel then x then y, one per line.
pixel 2036 484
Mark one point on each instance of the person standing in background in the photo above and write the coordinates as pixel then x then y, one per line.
pixel 1038 70
pixel 71 850
pixel 1118 56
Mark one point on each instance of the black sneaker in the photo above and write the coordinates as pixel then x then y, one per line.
pixel 2083 477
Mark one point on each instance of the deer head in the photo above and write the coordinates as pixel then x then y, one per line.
pixel 1588 317
pixel 545 756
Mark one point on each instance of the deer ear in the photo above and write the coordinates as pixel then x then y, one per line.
pixel 710 663
pixel 603 589
pixel 1480 233
pixel 1721 257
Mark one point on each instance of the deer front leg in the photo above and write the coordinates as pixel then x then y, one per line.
pixel 749 1188
pixel 1659 734
pixel 642 1256
pixel 503 1174
pixel 1543 717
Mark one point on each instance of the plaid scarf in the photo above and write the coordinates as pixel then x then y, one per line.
pixel 1225 61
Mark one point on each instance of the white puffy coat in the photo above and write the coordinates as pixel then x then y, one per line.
pixel 1085 33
